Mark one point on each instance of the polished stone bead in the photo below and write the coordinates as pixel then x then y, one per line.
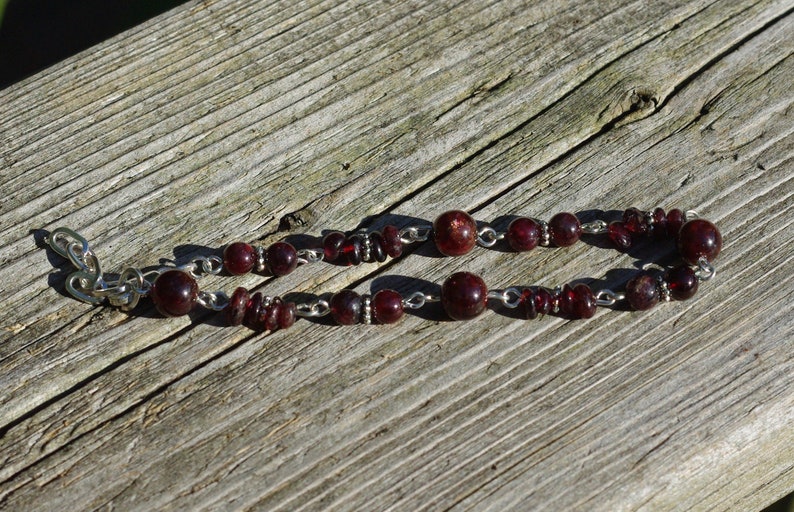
pixel 287 315
pixel 377 247
pixel 387 306
pixel 346 307
pixel 464 295
pixel 392 242
pixel 282 258
pixel 564 229
pixel 697 239
pixel 619 235
pixel 174 293
pixel 659 226
pixel 526 304
pixel 235 310
pixel 642 292
pixel 635 222
pixel 523 234
pixel 239 258
pixel 455 233
pixel 675 219
pixel 544 301
pixel 584 301
pixel 682 282
pixel 252 309
pixel 351 250
pixel 332 245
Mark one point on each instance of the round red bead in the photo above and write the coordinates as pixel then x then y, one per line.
pixel 578 301
pixel 697 239
pixel 346 307
pixel 682 282
pixel 332 245
pixel 239 258
pixel 455 233
pixel 642 292
pixel 464 295
pixel 351 250
pixel 174 293
pixel 564 229
pixel 387 306
pixel 282 258
pixel 392 242
pixel 523 234
pixel 235 310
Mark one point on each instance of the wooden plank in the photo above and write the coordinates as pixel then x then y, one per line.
pixel 242 121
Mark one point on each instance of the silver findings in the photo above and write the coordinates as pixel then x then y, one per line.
pixel 413 234
pixel 306 256
pixel 664 289
pixel 607 297
pixel 417 300
pixel 596 227
pixel 705 270
pixel 509 297
pixel 215 301
pixel 261 258
pixel 488 236
pixel 545 236
pixel 211 265
pixel 313 309
pixel 366 309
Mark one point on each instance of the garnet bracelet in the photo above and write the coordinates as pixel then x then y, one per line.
pixel 175 291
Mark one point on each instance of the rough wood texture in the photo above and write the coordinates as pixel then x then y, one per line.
pixel 226 120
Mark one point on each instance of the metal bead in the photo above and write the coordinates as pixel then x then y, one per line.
pixel 366 309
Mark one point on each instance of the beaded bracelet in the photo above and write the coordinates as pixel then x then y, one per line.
pixel 174 289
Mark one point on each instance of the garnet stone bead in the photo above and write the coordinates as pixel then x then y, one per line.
pixel 697 239
pixel 578 301
pixel 642 292
pixel 387 306
pixel 620 235
pixel 332 245
pixel 174 293
pixel 564 229
pixel 455 233
pixel 682 282
pixel 675 219
pixel 282 258
pixel 392 242
pixel 523 234
pixel 239 258
pixel 235 310
pixel 346 307
pixel 464 295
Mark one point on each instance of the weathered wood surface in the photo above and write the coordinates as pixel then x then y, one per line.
pixel 226 120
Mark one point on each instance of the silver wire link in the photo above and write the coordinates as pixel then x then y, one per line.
pixel 215 301
pixel 597 227
pixel 313 309
pixel 310 255
pixel 211 265
pixel 413 234
pixel 418 299
pixel 488 236
pixel 705 270
pixel 690 215
pixel 510 297
pixel 607 297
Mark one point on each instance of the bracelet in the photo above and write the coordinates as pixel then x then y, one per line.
pixel 174 290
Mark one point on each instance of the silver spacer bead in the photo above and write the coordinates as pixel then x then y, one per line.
pixel 664 289
pixel 366 247
pixel 366 309
pixel 261 259
pixel 556 301
pixel 545 236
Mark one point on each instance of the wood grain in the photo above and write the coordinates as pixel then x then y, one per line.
pixel 223 121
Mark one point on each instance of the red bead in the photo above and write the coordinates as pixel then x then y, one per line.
pixel 544 301
pixel 464 295
pixel 697 239
pixel 346 307
pixel 619 235
pixel 239 258
pixel 584 301
pixel 273 311
pixel 174 293
pixel 455 233
pixel 526 304
pixel 523 234
pixel 642 292
pixel 235 310
pixel 567 297
pixel 675 219
pixel 282 258
pixel 387 306
pixel 377 247
pixel 287 314
pixel 351 250
pixel 682 282
pixel 332 245
pixel 634 219
pixel 659 226
pixel 392 242
pixel 564 229
pixel 251 317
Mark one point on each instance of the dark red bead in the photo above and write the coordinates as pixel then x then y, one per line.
pixel 239 258
pixel 273 312
pixel 682 282
pixel 523 234
pixel 464 295
pixel 659 226
pixel 282 258
pixel 567 297
pixel 455 233
pixel 642 292
pixel 675 219
pixel 332 245
pixel 584 301
pixel 526 304
pixel 174 293
pixel 346 307
pixel 619 235
pixel 251 317
pixel 351 250
pixel 564 229
pixel 544 301
pixel 387 306
pixel 260 323
pixel 635 222
pixel 392 242
pixel 377 247
pixel 287 314
pixel 697 239
pixel 235 310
